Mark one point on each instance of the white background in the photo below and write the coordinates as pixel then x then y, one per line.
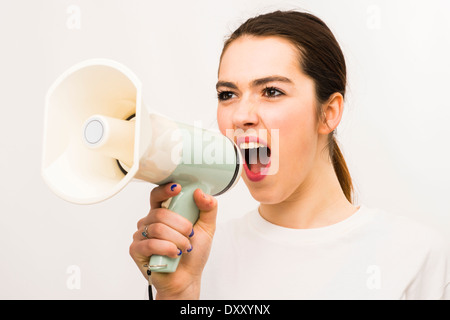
pixel 394 133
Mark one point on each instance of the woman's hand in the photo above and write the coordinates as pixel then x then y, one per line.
pixel 169 234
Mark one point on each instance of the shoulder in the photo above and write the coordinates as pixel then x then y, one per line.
pixel 421 249
pixel 408 230
pixel 415 249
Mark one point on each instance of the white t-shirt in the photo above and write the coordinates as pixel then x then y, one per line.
pixel 370 255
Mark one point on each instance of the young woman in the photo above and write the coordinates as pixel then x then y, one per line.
pixel 283 74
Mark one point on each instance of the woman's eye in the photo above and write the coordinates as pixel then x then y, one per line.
pixel 225 95
pixel 271 92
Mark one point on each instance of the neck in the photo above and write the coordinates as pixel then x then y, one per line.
pixel 318 202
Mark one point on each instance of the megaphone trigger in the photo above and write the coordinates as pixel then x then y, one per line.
pixel 166 204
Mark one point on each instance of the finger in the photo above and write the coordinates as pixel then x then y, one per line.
pixel 162 193
pixel 169 218
pixel 208 210
pixel 163 232
pixel 151 247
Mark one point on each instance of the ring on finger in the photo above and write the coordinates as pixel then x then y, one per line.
pixel 145 232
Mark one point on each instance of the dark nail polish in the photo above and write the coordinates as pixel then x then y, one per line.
pixel 190 249
pixel 173 187
pixel 179 252
pixel 192 233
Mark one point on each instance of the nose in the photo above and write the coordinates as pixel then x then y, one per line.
pixel 245 115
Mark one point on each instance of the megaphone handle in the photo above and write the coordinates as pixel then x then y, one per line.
pixel 183 204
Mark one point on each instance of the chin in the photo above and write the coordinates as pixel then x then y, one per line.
pixel 265 193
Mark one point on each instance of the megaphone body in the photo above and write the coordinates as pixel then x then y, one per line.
pixel 98 136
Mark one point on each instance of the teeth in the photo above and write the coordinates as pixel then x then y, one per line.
pixel 251 145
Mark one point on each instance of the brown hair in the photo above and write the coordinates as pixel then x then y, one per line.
pixel 321 58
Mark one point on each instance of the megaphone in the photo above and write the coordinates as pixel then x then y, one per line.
pixel 99 136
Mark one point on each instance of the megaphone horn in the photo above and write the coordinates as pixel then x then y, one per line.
pixel 98 136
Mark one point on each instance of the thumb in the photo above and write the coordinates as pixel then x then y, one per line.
pixel 207 205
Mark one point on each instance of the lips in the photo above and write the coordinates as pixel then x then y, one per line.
pixel 257 154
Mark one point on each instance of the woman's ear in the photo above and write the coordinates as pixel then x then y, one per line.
pixel 332 113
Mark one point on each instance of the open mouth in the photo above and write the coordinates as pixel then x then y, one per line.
pixel 257 154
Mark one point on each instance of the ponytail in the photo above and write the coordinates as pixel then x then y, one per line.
pixel 340 168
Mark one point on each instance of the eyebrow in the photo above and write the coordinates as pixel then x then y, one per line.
pixel 256 82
